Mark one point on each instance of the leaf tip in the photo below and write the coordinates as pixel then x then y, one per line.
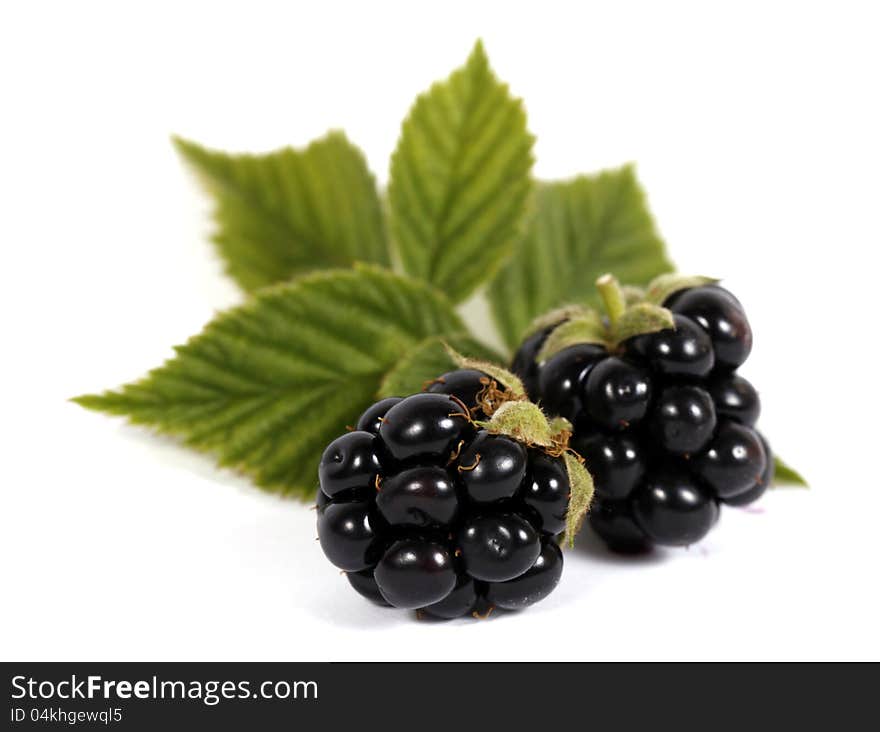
pixel 95 402
pixel 184 147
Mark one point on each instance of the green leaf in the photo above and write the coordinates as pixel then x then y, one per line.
pixel 582 490
pixel 290 212
pixel 428 360
pixel 268 384
pixel 578 230
pixel 460 177
pixel 784 474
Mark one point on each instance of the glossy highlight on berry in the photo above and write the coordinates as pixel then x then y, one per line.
pixel 422 426
pixel 496 548
pixel 491 468
pixel 617 393
pixel 414 573
pixel 349 463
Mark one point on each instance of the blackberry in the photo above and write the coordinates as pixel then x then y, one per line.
pixel 424 509
pixel 662 419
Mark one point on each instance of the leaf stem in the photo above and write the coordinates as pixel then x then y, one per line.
pixel 612 297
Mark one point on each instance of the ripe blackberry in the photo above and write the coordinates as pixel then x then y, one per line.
pixel 663 421
pixel 424 509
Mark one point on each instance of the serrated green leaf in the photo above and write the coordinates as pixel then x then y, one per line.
pixel 582 490
pixel 268 384
pixel 291 211
pixel 642 318
pixel 460 177
pixel 578 230
pixel 428 360
pixel 784 474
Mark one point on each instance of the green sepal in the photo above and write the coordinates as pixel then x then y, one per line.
pixel 627 315
pixel 785 475
pixel 662 286
pixel 523 421
pixel 582 490
pixel 633 295
pixel 555 317
pixel 640 319
pixel 511 383
pixel 587 327
pixel 558 425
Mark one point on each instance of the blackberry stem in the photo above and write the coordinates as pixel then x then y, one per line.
pixel 612 297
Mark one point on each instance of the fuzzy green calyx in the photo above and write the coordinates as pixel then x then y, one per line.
pixel 586 327
pixel 556 317
pixel 582 490
pixel 512 384
pixel 628 314
pixel 524 422
pixel 662 286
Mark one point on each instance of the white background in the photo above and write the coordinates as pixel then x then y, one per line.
pixel 755 129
